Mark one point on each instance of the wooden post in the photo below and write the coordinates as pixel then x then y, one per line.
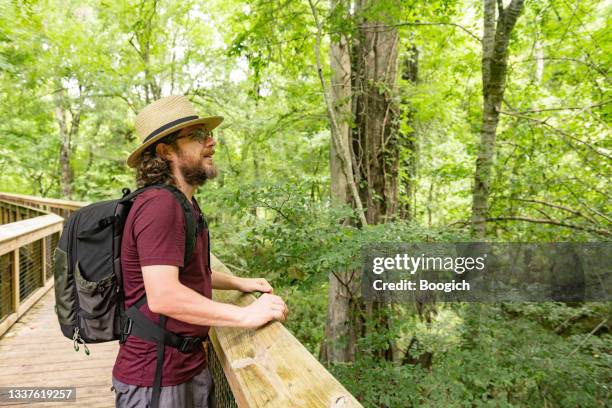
pixel 15 273
pixel 43 259
pixel 6 284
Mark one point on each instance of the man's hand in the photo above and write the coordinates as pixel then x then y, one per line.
pixel 267 307
pixel 254 285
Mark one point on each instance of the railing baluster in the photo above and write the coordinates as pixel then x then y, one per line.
pixel 43 259
pixel 15 276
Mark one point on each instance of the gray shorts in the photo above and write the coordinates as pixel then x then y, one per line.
pixel 195 393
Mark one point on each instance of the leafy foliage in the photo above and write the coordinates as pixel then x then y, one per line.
pixel 97 63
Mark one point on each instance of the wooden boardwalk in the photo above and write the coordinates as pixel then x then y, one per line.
pixel 34 353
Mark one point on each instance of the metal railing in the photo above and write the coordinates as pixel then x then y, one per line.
pixel 264 367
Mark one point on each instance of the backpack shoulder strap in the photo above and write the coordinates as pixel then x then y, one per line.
pixel 190 220
pixel 202 223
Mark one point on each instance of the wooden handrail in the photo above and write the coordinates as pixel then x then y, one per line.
pixel 41 202
pixel 268 366
pixel 20 233
pixel 264 367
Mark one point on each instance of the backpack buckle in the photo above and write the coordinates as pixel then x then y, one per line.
pixel 126 330
pixel 190 344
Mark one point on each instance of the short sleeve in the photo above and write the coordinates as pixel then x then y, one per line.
pixel 159 229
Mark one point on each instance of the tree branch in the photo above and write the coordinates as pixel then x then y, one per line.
pixel 500 8
pixel 566 108
pixel 604 233
pixel 597 68
pixel 543 123
pixel 588 335
pixel 367 27
pixel 560 207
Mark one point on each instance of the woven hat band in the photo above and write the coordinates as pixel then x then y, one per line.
pixel 168 126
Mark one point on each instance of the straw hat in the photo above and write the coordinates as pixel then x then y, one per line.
pixel 165 116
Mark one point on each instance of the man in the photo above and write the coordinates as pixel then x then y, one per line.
pixel 177 149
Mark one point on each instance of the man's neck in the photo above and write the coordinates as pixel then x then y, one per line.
pixel 187 189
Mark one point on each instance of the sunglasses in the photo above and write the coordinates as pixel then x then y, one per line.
pixel 200 135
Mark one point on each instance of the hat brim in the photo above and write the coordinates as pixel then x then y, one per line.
pixel 210 123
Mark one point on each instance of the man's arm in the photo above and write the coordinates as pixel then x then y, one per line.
pixel 167 296
pixel 224 281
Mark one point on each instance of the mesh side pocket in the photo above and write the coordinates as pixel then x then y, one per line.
pixel 98 307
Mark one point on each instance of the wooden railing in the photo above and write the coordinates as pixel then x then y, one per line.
pixel 63 208
pixel 27 239
pixel 264 367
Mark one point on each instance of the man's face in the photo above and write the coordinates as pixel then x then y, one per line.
pixel 193 157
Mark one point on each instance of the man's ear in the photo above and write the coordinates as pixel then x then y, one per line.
pixel 162 150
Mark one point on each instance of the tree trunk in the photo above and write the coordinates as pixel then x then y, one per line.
pixel 144 32
pixel 408 139
pixel 375 137
pixel 538 49
pixel 66 175
pixel 370 171
pixel 337 328
pixel 494 66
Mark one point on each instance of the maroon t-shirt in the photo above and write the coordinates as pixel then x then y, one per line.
pixel 154 234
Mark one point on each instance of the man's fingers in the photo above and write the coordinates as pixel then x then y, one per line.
pixel 264 285
pixel 276 306
pixel 274 299
pixel 280 313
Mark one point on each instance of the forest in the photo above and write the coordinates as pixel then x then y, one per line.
pixel 350 122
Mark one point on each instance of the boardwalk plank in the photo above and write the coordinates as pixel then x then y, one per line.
pixel 33 352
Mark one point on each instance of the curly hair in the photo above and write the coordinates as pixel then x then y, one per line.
pixel 153 169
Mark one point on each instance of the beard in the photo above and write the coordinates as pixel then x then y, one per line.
pixel 195 173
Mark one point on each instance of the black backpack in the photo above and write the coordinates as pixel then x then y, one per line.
pixel 89 299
